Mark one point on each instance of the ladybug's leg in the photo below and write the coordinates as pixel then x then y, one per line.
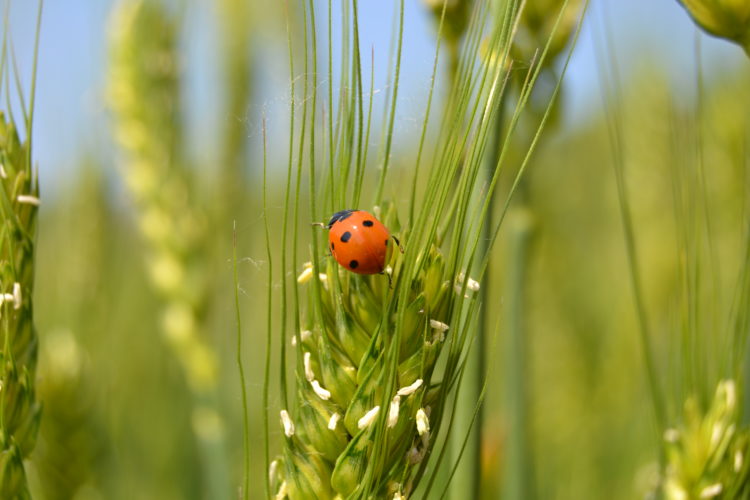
pixel 401 249
pixel 390 280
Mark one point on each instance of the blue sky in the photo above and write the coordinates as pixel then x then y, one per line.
pixel 71 119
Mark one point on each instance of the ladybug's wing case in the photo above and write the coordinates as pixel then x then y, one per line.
pixel 358 241
pixel 370 256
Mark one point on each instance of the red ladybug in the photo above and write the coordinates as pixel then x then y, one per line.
pixel 358 241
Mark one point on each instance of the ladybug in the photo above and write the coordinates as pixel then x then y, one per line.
pixel 358 241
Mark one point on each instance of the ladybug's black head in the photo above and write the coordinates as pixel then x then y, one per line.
pixel 339 216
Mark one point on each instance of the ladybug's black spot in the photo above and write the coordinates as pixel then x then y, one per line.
pixel 339 216
pixel 367 223
pixel 345 237
pixel 354 264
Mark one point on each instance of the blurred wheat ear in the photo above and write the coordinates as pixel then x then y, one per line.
pixel 143 91
pixel 729 19
pixel 20 411
pixel 707 454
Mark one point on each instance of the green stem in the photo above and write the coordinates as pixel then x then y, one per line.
pixel 213 453
pixel 467 478
pixel 518 483
pixel 269 330
pixel 241 370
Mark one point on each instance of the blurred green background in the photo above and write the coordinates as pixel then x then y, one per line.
pixel 118 413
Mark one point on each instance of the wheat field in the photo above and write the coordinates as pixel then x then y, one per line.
pixel 563 305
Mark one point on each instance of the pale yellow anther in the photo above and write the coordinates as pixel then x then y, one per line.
pixel 393 412
pixel 16 295
pixel 305 276
pixel 286 421
pixel 309 375
pixel 438 325
pixel 472 285
pixel 322 393
pixel 423 423
pixel 368 418
pixel 410 389
pixel 28 199
pixel 333 421
pixel 712 491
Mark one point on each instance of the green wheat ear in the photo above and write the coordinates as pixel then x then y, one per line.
pixel 378 364
pixel 340 420
pixel 707 455
pixel 19 409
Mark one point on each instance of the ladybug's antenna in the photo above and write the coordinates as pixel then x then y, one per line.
pixel 318 224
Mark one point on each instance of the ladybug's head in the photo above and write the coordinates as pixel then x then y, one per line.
pixel 339 216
